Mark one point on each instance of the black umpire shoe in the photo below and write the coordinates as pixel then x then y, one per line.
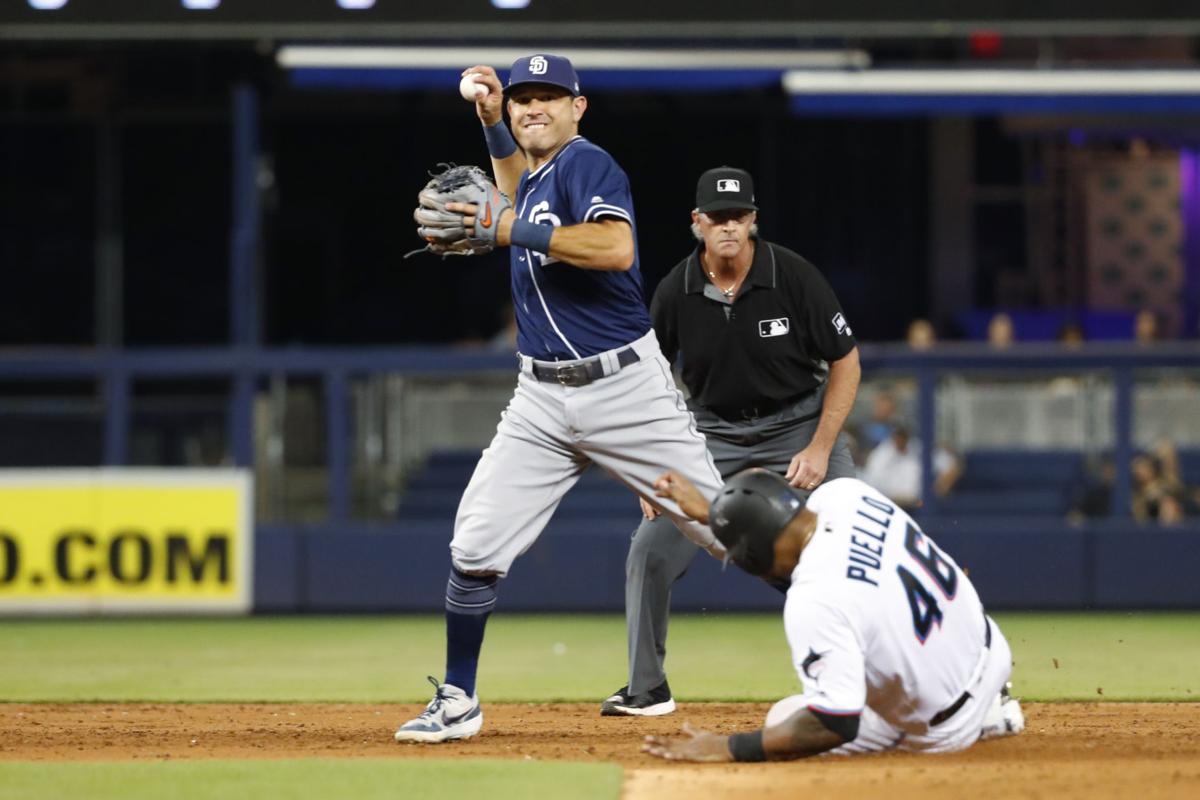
pixel 654 703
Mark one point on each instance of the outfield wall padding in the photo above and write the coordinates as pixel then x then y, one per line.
pixel 577 566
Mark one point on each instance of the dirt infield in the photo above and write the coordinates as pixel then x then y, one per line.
pixel 1085 750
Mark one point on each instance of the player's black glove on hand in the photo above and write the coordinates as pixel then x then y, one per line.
pixel 446 231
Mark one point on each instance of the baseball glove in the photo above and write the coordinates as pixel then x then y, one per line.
pixel 445 231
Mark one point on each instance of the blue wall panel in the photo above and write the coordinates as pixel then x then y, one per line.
pixel 708 587
pixel 1022 568
pixel 278 579
pixel 1147 568
pixel 355 570
pixel 579 565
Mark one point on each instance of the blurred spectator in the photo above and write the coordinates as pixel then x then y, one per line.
pixel 1071 335
pixel 1168 466
pixel 1093 499
pixel 1000 331
pixel 921 335
pixel 1149 488
pixel 1159 494
pixel 1146 327
pixel 1178 500
pixel 883 419
pixel 894 468
pixel 1171 509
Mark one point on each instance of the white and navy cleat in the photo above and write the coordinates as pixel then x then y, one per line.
pixel 449 715
pixel 1004 717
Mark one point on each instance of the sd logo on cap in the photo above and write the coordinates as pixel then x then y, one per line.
pixel 546 69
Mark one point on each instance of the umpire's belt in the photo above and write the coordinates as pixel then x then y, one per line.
pixel 952 709
pixel 763 408
pixel 581 373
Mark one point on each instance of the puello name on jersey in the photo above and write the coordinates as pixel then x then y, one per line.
pixel 866 541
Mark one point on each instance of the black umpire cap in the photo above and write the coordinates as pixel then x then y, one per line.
pixel 723 188
pixel 750 513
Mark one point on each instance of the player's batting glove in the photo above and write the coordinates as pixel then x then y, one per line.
pixel 445 231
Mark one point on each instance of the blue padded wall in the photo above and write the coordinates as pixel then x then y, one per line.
pixel 580 566
pixel 1147 568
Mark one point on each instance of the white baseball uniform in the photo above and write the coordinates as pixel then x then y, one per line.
pixel 884 625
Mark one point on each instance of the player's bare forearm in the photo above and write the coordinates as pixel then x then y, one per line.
pixel 508 172
pixel 603 245
pixel 842 388
pixel 490 110
pixel 799 736
pixel 678 488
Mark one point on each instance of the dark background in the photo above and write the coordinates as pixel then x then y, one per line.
pixel 342 173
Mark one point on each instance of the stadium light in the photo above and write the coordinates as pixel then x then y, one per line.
pixel 510 3
pixel 994 91
pixel 47 5
pixel 201 5
pixel 356 5
pixel 995 82
pixel 334 57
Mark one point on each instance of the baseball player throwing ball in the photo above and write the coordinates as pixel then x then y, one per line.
pixel 888 635
pixel 593 385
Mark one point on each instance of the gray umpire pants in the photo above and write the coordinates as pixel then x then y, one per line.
pixel 659 554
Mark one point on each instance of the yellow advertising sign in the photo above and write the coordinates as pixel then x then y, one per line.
pixel 125 541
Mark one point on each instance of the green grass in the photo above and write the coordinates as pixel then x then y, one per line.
pixel 1111 656
pixel 320 779
pixel 535 658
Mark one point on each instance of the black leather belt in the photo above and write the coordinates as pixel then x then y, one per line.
pixel 952 709
pixel 763 408
pixel 581 373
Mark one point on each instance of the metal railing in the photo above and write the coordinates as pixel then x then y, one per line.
pixel 251 372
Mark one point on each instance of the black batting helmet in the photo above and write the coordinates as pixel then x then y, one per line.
pixel 750 513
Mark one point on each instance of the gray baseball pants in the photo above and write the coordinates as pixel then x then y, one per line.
pixel 659 555
pixel 633 424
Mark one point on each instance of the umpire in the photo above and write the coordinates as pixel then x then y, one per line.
pixel 772 368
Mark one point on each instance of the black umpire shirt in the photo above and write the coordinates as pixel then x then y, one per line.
pixel 767 347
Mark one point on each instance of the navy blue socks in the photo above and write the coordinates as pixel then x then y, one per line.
pixel 469 601
pixel 464 638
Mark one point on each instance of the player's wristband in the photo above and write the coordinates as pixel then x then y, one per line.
pixel 747 746
pixel 529 234
pixel 499 140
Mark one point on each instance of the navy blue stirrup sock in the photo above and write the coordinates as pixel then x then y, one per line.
pixel 464 638
pixel 469 601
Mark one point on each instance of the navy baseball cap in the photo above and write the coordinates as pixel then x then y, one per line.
pixel 723 188
pixel 544 68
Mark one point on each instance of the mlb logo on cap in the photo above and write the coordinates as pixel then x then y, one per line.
pixel 546 69
pixel 724 188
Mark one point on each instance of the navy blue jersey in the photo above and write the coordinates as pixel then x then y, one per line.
pixel 564 312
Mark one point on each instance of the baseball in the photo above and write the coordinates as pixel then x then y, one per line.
pixel 470 90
